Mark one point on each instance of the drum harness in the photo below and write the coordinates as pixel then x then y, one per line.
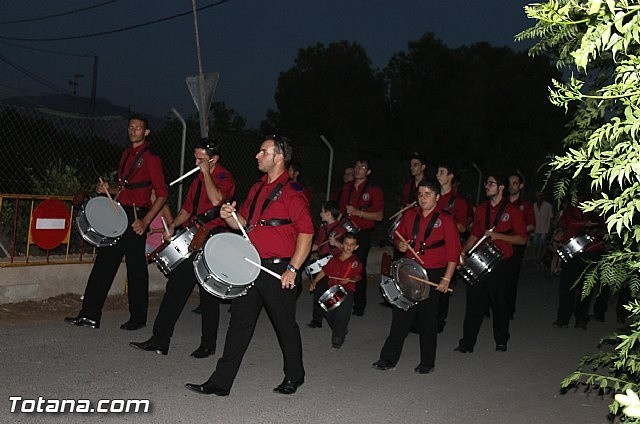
pixel 275 193
pixel 123 180
pixel 427 232
pixel 487 214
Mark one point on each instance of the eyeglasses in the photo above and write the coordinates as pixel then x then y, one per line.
pixel 279 140
pixel 360 166
pixel 490 183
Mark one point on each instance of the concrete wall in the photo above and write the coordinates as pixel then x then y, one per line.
pixel 37 282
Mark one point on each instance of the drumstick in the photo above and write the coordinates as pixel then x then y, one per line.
pixel 409 206
pixel 267 270
pixel 244 233
pixel 479 242
pixel 422 280
pixel 135 212
pixel 186 175
pixel 110 199
pixel 164 224
pixel 409 247
pixel 342 279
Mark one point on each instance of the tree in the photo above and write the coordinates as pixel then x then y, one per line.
pixel 598 41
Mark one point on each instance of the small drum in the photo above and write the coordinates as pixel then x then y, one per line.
pixel 481 261
pixel 393 294
pixel 392 229
pixel 221 269
pixel 99 223
pixel 574 246
pixel 349 226
pixel 316 267
pixel 408 274
pixel 332 298
pixel 169 256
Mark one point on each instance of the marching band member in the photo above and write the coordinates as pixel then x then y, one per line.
pixel 503 224
pixel 213 186
pixel 417 166
pixel 139 172
pixel 280 228
pixel 436 241
pixel 363 203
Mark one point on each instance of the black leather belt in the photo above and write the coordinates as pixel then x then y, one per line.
pixel 273 222
pixel 274 260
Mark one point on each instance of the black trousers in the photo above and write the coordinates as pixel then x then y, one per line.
pixel 318 312
pixel 489 292
pixel 281 306
pixel 570 300
pixel 131 246
pixel 338 320
pixel 512 285
pixel 425 314
pixel 179 287
pixel 360 295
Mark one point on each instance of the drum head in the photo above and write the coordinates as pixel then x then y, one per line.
pixel 407 273
pixel 103 218
pixel 224 254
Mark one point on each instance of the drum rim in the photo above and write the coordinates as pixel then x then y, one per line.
pixel 251 248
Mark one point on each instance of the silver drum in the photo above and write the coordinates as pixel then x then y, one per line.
pixel 480 262
pixel 100 223
pixel 175 252
pixel 391 291
pixel 574 246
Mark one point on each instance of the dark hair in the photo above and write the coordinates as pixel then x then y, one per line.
pixel 500 179
pixel 332 207
pixel 417 156
pixel 451 169
pixel 363 160
pixel 210 146
pixel 431 183
pixel 139 117
pixel 349 235
pixel 519 175
pixel 282 145
pixel 296 166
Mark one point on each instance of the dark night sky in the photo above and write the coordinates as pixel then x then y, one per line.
pixel 247 41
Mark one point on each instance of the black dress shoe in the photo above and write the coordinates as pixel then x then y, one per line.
pixel 288 387
pixel 423 369
pixel 203 352
pixel 207 388
pixel 463 349
pixel 131 326
pixel 82 322
pixel 383 365
pixel 314 324
pixel 501 348
pixel 150 346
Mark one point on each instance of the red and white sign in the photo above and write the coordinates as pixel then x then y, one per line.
pixel 50 224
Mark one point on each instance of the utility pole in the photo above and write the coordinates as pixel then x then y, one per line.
pixel 94 83
pixel 75 83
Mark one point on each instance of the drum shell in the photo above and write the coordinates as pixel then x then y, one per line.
pixel 392 229
pixel 392 293
pixel 349 226
pixel 332 297
pixel 574 247
pixel 411 288
pixel 316 266
pixel 480 262
pixel 175 252
pixel 86 224
pixel 214 286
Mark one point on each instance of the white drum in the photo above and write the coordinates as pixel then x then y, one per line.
pixel 169 256
pixel 100 224
pixel 316 267
pixel 574 246
pixel 332 297
pixel 221 269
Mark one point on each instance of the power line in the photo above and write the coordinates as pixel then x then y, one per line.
pixel 71 12
pixel 33 76
pixel 128 28
pixel 46 50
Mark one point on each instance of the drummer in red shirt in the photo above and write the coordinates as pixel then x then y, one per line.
pixel 346 270
pixel 213 186
pixel 435 239
pixel 503 224
pixel 363 204
pixel 276 216
pixel 139 173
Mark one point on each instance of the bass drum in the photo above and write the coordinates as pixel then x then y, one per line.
pixel 221 268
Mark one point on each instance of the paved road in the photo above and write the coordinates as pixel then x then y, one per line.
pixel 57 361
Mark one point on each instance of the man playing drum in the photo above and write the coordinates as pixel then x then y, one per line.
pixel 503 224
pixel 139 172
pixel 280 227
pixel 433 236
pixel 213 186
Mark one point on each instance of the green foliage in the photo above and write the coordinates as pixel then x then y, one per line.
pixel 598 40
pixel 57 179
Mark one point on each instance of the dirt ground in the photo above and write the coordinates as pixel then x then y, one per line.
pixel 62 305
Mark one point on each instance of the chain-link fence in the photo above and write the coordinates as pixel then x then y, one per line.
pixel 47 152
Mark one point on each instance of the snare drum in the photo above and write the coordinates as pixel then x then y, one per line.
pixel 316 266
pixel 407 274
pixel 332 298
pixel 574 246
pixel 349 226
pixel 392 229
pixel 99 223
pixel 393 294
pixel 168 257
pixel 221 269
pixel 481 261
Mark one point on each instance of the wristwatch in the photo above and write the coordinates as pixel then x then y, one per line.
pixel 292 268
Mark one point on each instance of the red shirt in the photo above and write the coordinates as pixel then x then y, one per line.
pixel 366 197
pixel 526 207
pixel 444 229
pixel 324 233
pixel 511 222
pixel 280 241
pixel 225 183
pixel 409 192
pixel 455 206
pixel 134 170
pixel 350 268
